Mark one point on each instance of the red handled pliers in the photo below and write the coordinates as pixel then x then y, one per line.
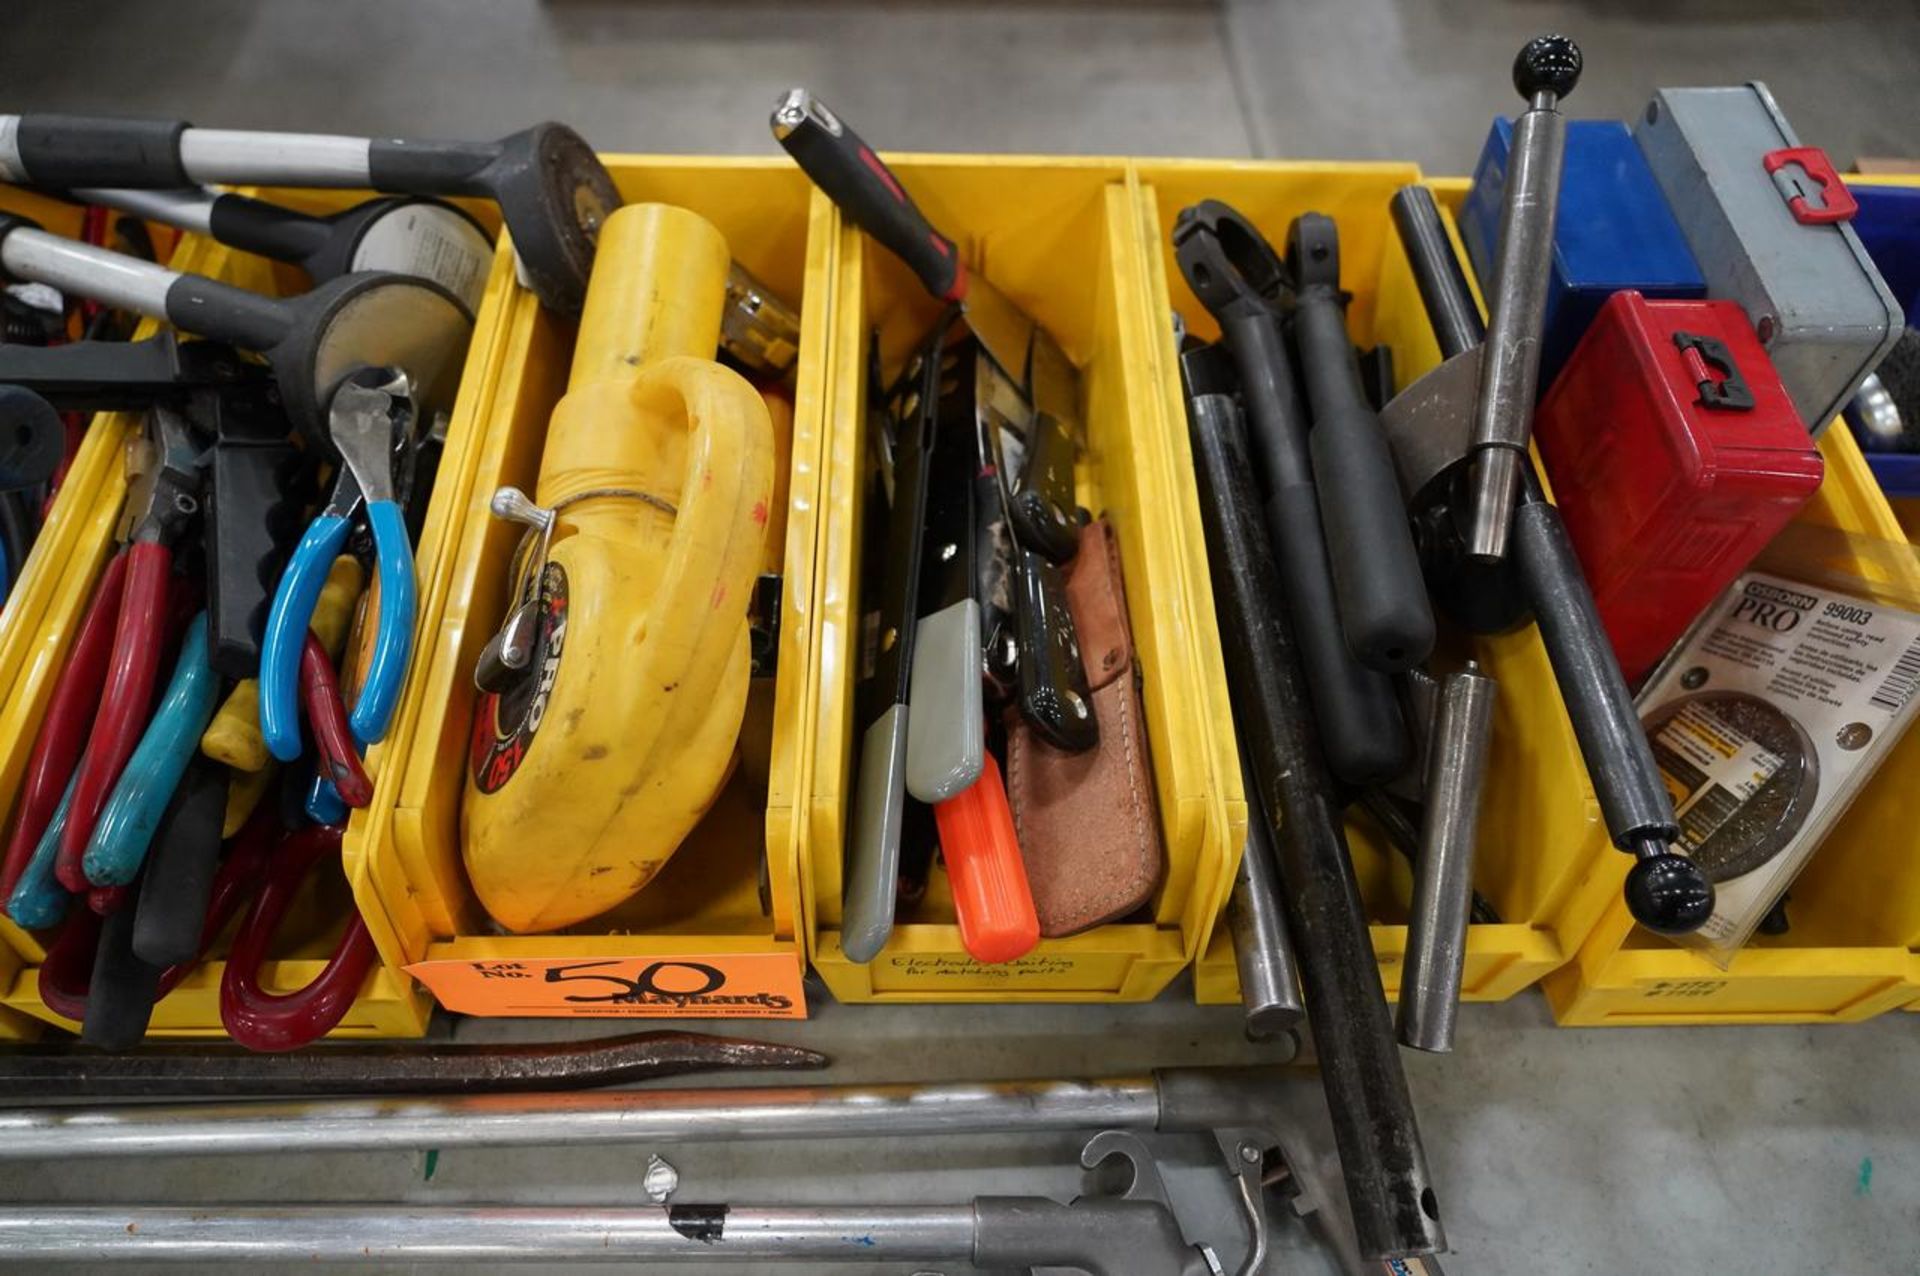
pixel 163 502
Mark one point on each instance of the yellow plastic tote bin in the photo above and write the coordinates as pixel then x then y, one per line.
pixel 717 933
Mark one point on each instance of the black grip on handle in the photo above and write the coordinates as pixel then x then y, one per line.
pixel 1381 597
pixel 1358 717
pixel 178 879
pixel 261 485
pixel 267 229
pixel 1276 419
pixel 225 313
pixel 121 993
pixel 431 168
pixel 63 151
pixel 865 189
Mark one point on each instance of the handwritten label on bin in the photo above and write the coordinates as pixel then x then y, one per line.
pixel 722 986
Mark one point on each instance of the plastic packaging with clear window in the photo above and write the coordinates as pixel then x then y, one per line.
pixel 1774 711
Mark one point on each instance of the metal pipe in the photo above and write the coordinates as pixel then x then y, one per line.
pixel 1443 875
pixel 1174 1099
pixel 1394 1209
pixel 1546 71
pixel 190 209
pixel 1269 979
pixel 243 158
pixel 110 278
pixel 483 1234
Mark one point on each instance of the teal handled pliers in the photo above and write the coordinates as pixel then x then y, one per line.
pixel 371 420
pixel 124 832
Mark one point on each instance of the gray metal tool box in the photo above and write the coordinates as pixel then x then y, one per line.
pixel 1767 221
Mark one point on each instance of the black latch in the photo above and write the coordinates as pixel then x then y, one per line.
pixel 1704 357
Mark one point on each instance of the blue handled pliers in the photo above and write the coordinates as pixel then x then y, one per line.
pixel 371 420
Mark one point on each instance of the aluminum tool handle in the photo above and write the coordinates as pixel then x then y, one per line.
pixel 1382 600
pixel 1443 874
pixel 66 151
pixel 992 900
pixel 192 303
pixel 1546 71
pixel 865 189
pixel 1381 1156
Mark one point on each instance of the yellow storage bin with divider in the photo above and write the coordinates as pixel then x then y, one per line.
pixel 61 575
pixel 718 932
pixel 1854 910
pixel 1064 239
pixel 1524 871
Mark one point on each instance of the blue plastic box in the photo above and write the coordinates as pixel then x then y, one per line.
pixel 1614 231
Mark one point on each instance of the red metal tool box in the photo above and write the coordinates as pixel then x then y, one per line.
pixel 1675 454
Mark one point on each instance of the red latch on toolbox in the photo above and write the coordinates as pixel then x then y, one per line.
pixel 1837 203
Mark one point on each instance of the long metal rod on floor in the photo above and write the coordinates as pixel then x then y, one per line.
pixel 502 1234
pixel 1175 1099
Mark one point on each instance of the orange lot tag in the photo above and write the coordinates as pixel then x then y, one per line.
pixel 725 986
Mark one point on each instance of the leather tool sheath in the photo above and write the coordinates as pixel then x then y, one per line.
pixel 1088 825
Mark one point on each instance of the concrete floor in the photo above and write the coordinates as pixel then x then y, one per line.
pixel 1620 1151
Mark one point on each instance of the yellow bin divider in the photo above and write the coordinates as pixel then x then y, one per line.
pixel 41 581
pixel 705 908
pixel 1522 873
pixel 52 597
pixel 1061 237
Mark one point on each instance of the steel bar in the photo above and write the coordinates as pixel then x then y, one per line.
pixel 1545 72
pixel 1394 1208
pixel 423 1067
pixel 1176 1099
pixel 43 1234
pixel 1443 875
pixel 1269 977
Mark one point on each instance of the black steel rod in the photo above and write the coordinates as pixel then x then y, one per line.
pixel 1394 1209
pixel 413 1068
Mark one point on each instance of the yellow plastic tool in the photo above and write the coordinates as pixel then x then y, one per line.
pixel 659 471
pixel 233 737
pixel 244 791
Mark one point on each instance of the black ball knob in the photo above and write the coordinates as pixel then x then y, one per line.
pixel 1548 62
pixel 1669 894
